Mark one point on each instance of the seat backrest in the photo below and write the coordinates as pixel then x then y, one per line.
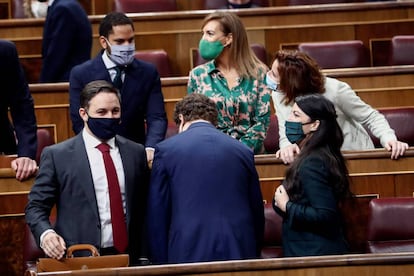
pixel 272 242
pixel 216 4
pixel 337 54
pixel 391 225
pixel 260 52
pixel 402 50
pixel 18 9
pixel 44 138
pixel 400 120
pixel 355 212
pixel 159 58
pixel 129 6
pixel 271 141
pixel 31 252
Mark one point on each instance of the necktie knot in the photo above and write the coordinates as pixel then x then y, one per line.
pixel 103 147
pixel 118 77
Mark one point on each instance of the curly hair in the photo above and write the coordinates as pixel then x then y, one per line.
pixel 196 106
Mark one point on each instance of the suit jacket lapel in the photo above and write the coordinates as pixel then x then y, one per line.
pixel 84 176
pixel 128 165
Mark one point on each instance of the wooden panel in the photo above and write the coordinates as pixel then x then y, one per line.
pixel 375 77
pixel 177 32
pixel 371 172
pixel 11 244
pixel 390 86
pixel 4 10
pixel 340 265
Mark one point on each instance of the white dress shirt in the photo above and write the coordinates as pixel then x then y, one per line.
pixel 101 183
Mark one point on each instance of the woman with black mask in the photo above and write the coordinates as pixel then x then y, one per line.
pixel 315 182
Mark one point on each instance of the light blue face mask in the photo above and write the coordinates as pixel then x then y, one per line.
pixel 270 83
pixel 122 54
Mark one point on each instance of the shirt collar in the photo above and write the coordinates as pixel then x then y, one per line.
pixel 50 2
pixel 92 142
pixel 107 61
pixel 211 66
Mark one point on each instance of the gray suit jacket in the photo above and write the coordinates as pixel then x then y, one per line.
pixel 65 179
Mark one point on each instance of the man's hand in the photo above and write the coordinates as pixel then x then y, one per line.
pixel 24 167
pixel 53 245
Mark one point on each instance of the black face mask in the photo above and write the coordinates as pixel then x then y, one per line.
pixel 104 128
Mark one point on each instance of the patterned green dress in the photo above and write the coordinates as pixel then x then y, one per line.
pixel 244 110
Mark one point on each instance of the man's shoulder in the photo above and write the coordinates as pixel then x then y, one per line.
pixel 86 66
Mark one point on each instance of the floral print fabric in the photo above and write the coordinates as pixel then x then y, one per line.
pixel 243 111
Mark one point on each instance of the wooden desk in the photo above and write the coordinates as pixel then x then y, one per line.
pixel 371 172
pixel 378 86
pixel 274 27
pixel 357 264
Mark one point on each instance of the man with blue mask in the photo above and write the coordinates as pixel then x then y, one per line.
pixel 143 118
pixel 97 182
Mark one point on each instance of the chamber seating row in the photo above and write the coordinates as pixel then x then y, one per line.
pixel 372 225
pixel 399 118
pixel 373 174
pixel 15 9
pixel 274 27
pixel 379 87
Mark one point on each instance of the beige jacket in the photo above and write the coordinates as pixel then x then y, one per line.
pixel 352 113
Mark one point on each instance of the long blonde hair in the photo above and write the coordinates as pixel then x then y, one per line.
pixel 245 60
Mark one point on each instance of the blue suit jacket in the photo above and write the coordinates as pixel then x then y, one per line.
pixel 65 179
pixel 204 202
pixel 143 117
pixel 67 40
pixel 15 95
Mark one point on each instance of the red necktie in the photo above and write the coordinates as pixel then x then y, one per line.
pixel 119 229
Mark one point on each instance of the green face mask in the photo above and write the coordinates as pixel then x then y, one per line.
pixel 210 49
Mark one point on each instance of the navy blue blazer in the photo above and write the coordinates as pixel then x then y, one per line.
pixel 143 117
pixel 205 202
pixel 65 179
pixel 15 95
pixel 313 224
pixel 67 40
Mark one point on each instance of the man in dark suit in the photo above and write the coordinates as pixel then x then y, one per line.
pixel 205 202
pixel 73 176
pixel 16 96
pixel 67 39
pixel 143 114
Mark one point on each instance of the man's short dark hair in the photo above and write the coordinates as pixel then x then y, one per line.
pixel 113 19
pixel 93 88
pixel 196 106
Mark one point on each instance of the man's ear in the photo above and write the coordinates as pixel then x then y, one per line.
pixel 83 114
pixel 181 125
pixel 103 42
